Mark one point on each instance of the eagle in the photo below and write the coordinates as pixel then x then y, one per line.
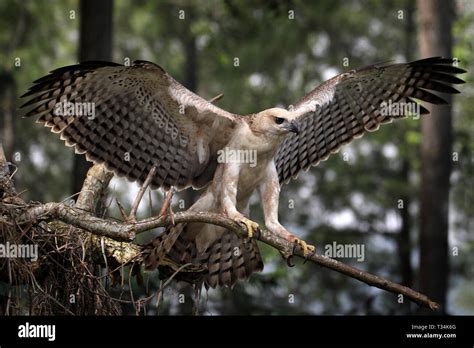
pixel 137 118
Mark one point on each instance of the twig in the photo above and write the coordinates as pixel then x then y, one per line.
pixel 166 207
pixel 159 295
pixel 122 210
pixel 133 212
pixel 216 98
pixel 35 283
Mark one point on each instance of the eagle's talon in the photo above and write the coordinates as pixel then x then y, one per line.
pixel 251 226
pixel 288 257
pixel 289 261
pixel 308 249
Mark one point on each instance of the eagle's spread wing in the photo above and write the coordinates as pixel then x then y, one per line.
pixel 132 118
pixel 346 106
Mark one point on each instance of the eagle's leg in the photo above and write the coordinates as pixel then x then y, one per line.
pixel 228 197
pixel 276 228
pixel 270 193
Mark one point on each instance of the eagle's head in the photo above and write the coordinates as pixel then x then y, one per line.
pixel 276 122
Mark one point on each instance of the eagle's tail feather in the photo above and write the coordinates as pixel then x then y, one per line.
pixel 228 259
pixel 231 258
pixel 157 249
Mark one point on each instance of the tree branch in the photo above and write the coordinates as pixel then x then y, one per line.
pixel 80 219
pixel 98 179
pixel 95 184
pixel 126 231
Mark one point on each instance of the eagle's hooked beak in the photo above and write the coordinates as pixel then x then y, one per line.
pixel 294 127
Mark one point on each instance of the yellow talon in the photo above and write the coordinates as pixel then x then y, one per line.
pixel 250 225
pixel 307 248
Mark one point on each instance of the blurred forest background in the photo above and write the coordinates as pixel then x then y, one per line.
pixel 262 54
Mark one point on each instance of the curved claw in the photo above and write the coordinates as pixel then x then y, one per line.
pixel 288 258
pixel 308 250
pixel 289 261
pixel 251 226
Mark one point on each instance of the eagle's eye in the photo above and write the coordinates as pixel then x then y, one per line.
pixel 279 120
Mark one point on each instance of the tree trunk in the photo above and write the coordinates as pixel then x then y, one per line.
pixel 435 39
pixel 404 237
pixel 7 112
pixel 95 44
